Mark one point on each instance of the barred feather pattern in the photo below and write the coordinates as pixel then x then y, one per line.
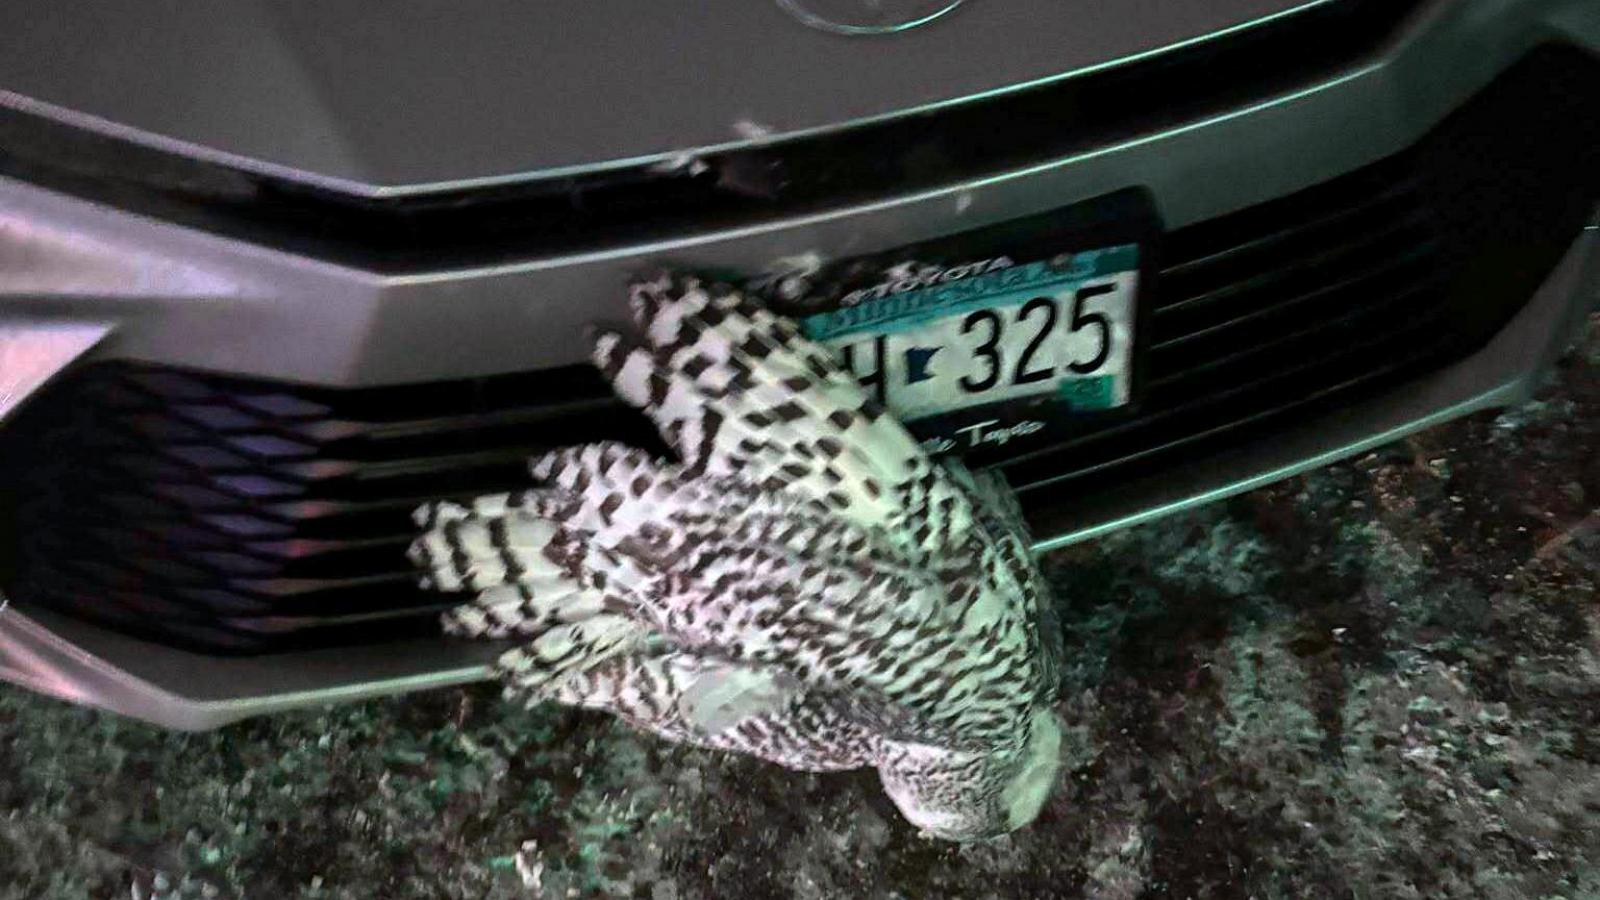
pixel 802 583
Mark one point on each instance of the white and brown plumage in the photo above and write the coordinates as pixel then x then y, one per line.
pixel 803 584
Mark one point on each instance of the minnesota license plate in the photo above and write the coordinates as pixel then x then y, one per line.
pixel 995 342
pixel 972 359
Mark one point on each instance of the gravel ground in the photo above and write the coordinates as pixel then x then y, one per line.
pixel 1381 680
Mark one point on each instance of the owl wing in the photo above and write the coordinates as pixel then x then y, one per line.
pixel 739 392
pixel 804 534
pixel 1010 570
pixel 709 702
pixel 742 395
pixel 619 557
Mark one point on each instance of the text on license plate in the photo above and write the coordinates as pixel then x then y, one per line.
pixel 1059 329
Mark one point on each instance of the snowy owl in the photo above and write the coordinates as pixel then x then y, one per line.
pixel 802 583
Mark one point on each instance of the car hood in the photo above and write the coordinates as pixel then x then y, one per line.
pixel 418 94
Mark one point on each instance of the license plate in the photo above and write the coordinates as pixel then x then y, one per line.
pixel 969 360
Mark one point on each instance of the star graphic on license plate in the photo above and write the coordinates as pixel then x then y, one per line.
pixel 917 361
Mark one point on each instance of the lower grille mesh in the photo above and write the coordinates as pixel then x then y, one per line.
pixel 240 516
pixel 1348 290
pixel 234 515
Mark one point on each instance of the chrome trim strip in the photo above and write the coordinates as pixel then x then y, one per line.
pixel 794 8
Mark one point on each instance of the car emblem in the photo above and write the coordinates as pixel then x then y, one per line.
pixel 867 16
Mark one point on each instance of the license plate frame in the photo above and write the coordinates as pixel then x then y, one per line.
pixel 992 255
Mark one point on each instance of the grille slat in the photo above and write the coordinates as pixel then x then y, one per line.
pixel 1289 387
pixel 1244 247
pixel 1304 274
pixel 1292 342
pixel 1320 303
pixel 1129 461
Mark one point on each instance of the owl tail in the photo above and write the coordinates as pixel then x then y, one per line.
pixel 523 566
pixel 535 580
pixel 546 569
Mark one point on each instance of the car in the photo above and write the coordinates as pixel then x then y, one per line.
pixel 272 275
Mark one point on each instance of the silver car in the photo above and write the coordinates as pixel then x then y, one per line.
pixel 272 274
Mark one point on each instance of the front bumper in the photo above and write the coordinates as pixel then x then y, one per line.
pixel 82 663
pixel 179 296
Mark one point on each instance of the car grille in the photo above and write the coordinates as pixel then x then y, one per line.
pixel 242 516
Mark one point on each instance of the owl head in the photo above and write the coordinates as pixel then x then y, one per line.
pixel 969 796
